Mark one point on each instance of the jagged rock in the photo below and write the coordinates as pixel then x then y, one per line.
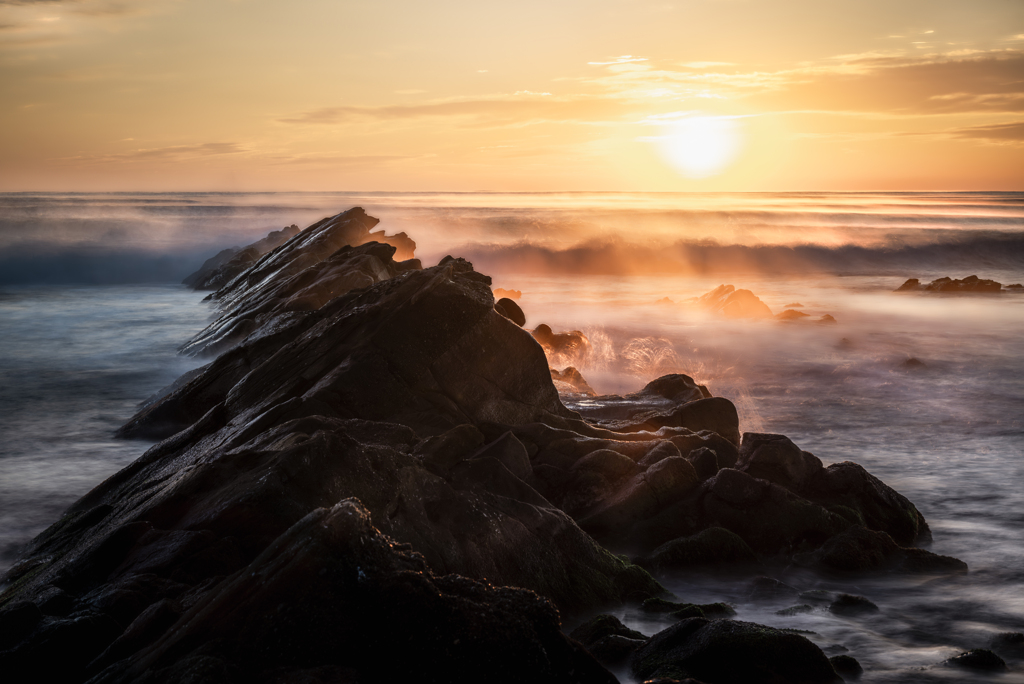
pixel 500 293
pixel 826 319
pixel 510 310
pixel 948 285
pixel 227 264
pixel 727 301
pixel 608 640
pixel 681 611
pixel 731 651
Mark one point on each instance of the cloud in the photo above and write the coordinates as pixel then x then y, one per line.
pixel 1006 132
pixel 171 153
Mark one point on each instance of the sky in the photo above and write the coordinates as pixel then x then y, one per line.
pixel 553 95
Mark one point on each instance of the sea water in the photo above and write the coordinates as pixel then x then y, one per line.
pixel 90 318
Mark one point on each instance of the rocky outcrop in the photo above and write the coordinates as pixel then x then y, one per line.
pixel 375 449
pixel 970 284
pixel 220 269
pixel 727 301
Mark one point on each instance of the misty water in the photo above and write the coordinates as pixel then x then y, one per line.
pixel 90 319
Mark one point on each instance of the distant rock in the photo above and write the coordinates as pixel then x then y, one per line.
pixel 571 381
pixel 827 319
pixel 970 284
pixel 794 305
pixel 791 315
pixel 913 364
pixel 665 301
pixel 727 301
pixel 499 293
pixel 572 345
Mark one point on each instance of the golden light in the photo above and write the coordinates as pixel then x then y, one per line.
pixel 701 146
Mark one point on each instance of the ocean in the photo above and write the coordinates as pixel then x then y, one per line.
pixel 91 315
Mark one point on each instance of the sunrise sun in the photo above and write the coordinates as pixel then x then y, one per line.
pixel 703 146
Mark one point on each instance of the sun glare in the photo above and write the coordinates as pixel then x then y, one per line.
pixel 699 147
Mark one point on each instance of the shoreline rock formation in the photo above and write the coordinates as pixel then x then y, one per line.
pixel 970 285
pixel 377 469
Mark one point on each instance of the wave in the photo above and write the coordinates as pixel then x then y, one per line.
pixel 618 257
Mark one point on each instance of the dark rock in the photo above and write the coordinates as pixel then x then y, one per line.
pixel 511 453
pixel 227 264
pixel 846 666
pixel 601 626
pixel 705 462
pixel 850 605
pixel 17 620
pixel 980 659
pixel 948 285
pixel 861 550
pixel 572 346
pixel 731 651
pixel 775 458
pixel 826 319
pixel 325 591
pixel 613 651
pixel 912 364
pixel 510 310
pixel 1009 644
pixel 713 547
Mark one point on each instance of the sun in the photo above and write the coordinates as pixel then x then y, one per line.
pixel 703 146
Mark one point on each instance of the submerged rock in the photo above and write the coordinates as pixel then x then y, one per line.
pixel 980 659
pixel 571 381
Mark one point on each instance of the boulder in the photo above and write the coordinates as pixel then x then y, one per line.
pixel 572 346
pixel 731 651
pixel 710 548
pixel 510 310
pixel 859 550
pixel 850 605
pixel 979 659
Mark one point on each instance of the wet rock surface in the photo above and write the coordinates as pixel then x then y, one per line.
pixel 222 268
pixel 378 450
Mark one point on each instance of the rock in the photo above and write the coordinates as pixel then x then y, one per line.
pixel 846 666
pixel 17 620
pixel 227 264
pixel 499 293
pixel 826 319
pixel 325 591
pixel 572 345
pixel 970 284
pixel 596 628
pixel 510 310
pixel 850 605
pixel 713 547
pixel 912 364
pixel 704 461
pixel 681 611
pixel 775 458
pixel 1009 644
pixel 861 550
pixel 731 651
pixel 791 315
pixel 727 301
pixel 794 305
pixel 980 659
pixel 571 381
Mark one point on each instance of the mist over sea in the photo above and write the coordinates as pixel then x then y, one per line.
pixel 91 314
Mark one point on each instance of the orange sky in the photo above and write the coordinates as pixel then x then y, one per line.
pixel 697 95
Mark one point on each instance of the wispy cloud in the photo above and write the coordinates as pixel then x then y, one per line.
pixel 170 153
pixel 1006 132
